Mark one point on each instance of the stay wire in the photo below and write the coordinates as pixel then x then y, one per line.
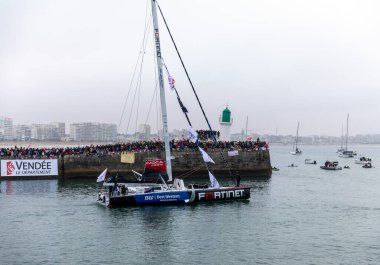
pixel 185 69
pixel 182 106
pixel 138 106
pixel 190 172
pixel 184 110
pixel 150 106
pixel 192 86
pixel 133 103
pixel 138 84
pixel 155 96
pixel 134 71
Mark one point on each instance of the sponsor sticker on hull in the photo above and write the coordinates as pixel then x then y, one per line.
pixel 162 197
pixel 29 167
pixel 220 195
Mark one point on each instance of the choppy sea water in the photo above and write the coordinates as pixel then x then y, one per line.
pixel 301 215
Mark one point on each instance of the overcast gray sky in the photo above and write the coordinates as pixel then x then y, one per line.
pixel 277 62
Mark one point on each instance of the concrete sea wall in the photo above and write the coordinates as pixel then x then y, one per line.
pixel 247 163
pixel 184 163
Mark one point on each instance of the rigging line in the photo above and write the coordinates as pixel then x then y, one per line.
pixel 147 23
pixel 138 106
pixel 129 90
pixel 191 83
pixel 190 172
pixel 150 106
pixel 154 93
pixel 187 74
pixel 138 88
pixel 138 84
pixel 133 103
pixel 140 81
pixel 183 108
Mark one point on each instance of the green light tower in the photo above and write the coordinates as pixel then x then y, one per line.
pixel 225 121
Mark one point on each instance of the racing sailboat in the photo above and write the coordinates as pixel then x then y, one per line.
pixel 346 153
pixel 341 149
pixel 168 189
pixel 296 151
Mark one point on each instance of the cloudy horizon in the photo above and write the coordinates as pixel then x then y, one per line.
pixel 275 62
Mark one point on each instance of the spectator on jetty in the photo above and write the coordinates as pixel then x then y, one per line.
pixel 204 135
pixel 139 146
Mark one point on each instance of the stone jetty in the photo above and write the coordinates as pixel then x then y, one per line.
pixel 249 163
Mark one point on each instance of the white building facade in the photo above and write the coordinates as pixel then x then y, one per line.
pixel 93 132
pixel 6 129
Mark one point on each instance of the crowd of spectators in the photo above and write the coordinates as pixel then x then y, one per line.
pixel 204 135
pixel 140 146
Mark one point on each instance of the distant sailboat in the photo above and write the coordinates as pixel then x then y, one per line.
pixel 296 151
pixel 346 153
pixel 341 149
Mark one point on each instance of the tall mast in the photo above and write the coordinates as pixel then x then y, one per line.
pixel 341 139
pixel 246 129
pixel 298 125
pixel 347 131
pixel 162 90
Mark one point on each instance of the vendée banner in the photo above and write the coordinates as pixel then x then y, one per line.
pixel 29 167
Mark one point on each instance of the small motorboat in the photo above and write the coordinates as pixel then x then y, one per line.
pixel 275 169
pixel 331 166
pixel 296 152
pixel 308 161
pixel 346 167
pixel 347 154
pixel 292 165
pixel 367 165
pixel 362 160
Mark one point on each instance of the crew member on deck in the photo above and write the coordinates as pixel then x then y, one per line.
pixel 238 180
pixel 115 183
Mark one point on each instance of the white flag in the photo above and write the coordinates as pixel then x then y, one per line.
pixel 193 134
pixel 102 176
pixel 205 156
pixel 214 182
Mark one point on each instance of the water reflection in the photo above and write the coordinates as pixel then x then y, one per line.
pixel 77 190
pixel 16 187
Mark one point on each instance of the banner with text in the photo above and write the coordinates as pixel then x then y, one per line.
pixel 29 167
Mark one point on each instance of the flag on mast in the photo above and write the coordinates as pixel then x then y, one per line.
pixel 171 82
pixel 193 134
pixel 205 156
pixel 102 176
pixel 214 182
